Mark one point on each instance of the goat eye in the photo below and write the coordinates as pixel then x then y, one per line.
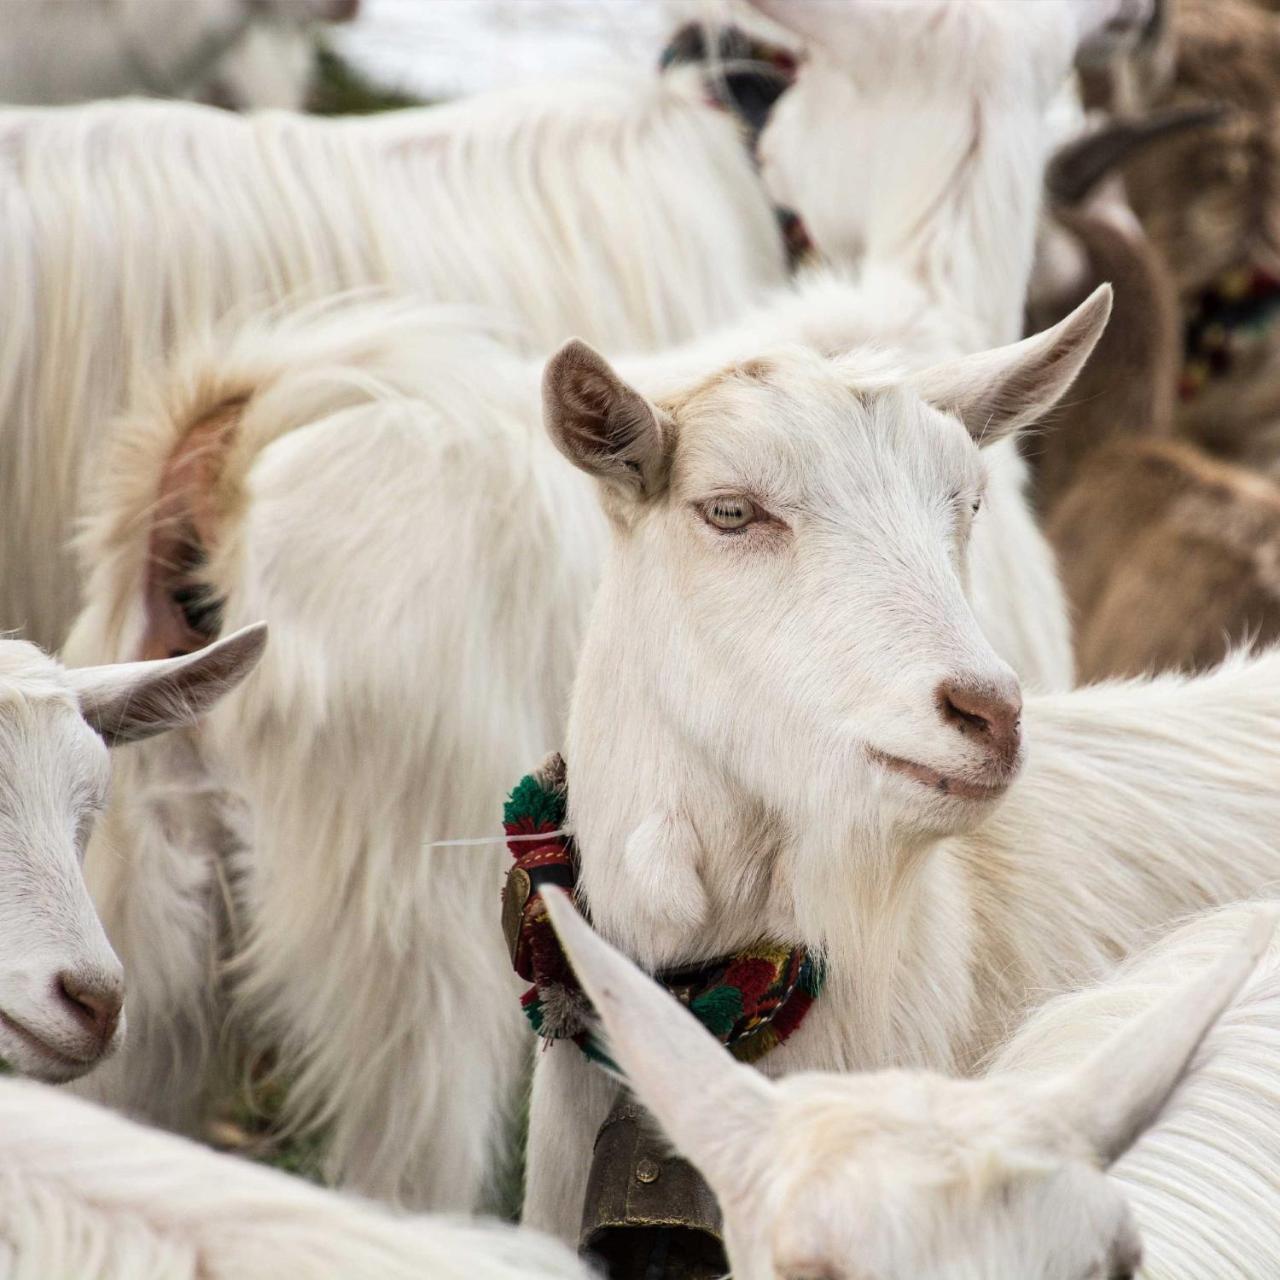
pixel 729 514
pixel 977 505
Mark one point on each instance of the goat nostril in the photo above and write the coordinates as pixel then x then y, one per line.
pixel 954 712
pixel 96 1004
pixel 982 713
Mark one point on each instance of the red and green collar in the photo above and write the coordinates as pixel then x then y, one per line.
pixel 751 1001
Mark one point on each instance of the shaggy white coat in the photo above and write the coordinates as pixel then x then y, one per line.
pixel 626 211
pixel 289 893
pixel 86 1193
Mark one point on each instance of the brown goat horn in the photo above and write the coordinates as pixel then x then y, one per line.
pixel 1076 168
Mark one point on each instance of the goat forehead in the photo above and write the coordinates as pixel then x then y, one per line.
pixel 912 1174
pixel 891 1219
pixel 944 1123
pixel 50 753
pixel 803 430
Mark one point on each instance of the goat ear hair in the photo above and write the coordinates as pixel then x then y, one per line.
pixel 1076 168
pixel 128 701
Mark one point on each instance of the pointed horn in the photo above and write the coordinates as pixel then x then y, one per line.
pixel 1076 168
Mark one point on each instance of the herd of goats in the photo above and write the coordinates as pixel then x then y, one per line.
pixel 855 450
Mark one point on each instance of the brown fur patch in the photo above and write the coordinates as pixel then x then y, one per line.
pixel 184 529
pixel 760 369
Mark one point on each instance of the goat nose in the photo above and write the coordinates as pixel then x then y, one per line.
pixel 985 715
pixel 95 1000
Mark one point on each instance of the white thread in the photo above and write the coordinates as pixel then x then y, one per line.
pixel 541 835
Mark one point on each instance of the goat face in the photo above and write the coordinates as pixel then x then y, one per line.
pixel 790 571
pixel 61 985
pixel 899 1175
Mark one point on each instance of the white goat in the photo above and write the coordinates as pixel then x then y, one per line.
pixel 787 723
pixel 61 986
pixel 239 53
pixel 85 1193
pixel 626 211
pixel 901 1175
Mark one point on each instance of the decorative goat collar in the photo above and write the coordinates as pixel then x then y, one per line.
pixel 1226 323
pixel 751 1001
pixel 744 76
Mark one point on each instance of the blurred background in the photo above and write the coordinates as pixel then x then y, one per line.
pixel 329 56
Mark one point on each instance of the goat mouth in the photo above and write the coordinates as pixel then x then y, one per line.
pixel 55 1057
pixel 944 784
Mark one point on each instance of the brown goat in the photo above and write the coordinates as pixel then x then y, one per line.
pixel 1168 557
pixel 1127 387
pixel 1210 203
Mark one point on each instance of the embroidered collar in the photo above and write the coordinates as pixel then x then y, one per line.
pixel 751 1001
pixel 1229 319
pixel 745 76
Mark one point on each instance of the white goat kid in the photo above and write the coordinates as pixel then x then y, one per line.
pixel 787 724
pixel 900 1175
pixel 86 1193
pixel 61 986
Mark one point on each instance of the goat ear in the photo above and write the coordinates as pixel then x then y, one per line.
pixel 602 425
pixel 1120 1090
pixel 995 393
pixel 128 701
pixel 709 1105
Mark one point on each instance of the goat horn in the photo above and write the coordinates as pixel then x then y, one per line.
pixel 1076 168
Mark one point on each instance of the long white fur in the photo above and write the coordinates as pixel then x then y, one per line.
pixel 626 211
pixel 84 1192
pixel 1202 1181
pixel 465 558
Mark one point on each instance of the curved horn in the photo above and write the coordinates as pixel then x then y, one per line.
pixel 1076 168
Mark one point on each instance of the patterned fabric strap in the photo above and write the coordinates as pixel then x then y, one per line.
pixel 751 1001
pixel 745 77
pixel 1228 323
